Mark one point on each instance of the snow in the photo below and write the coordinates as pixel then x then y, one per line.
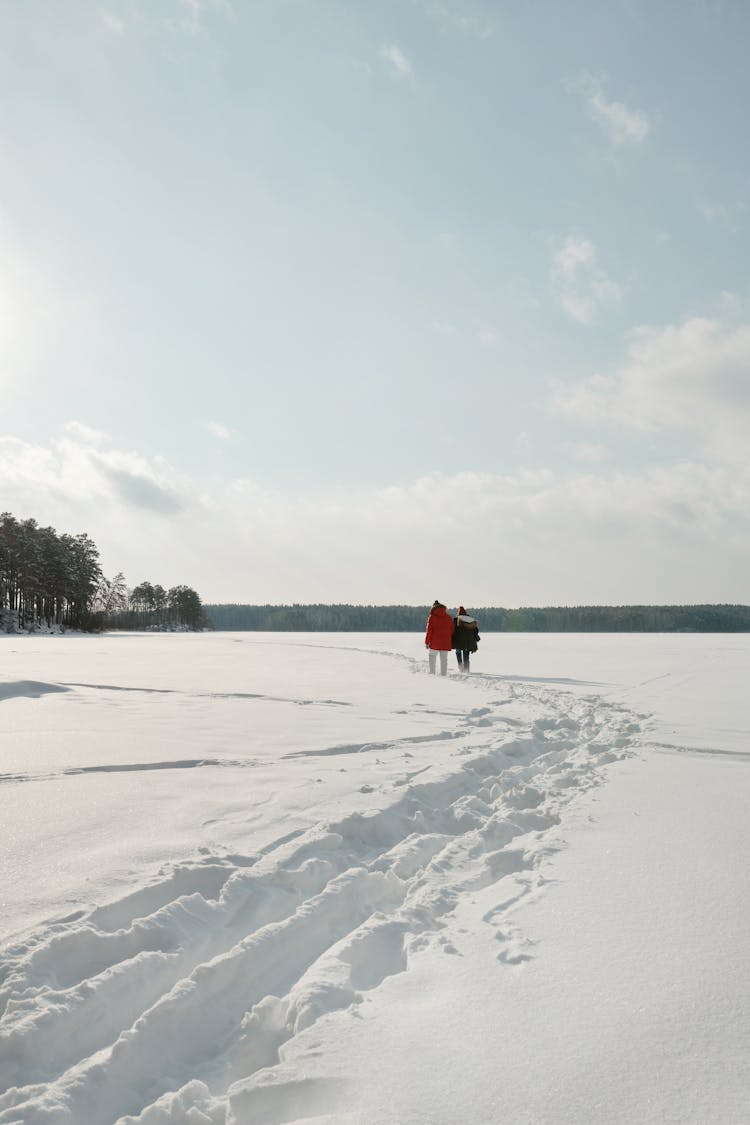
pixel 278 878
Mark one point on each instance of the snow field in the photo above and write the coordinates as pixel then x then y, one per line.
pixel 383 898
pixel 176 1002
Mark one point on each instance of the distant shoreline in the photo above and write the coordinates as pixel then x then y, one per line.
pixel 327 618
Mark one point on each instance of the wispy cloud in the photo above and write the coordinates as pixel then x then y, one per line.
pixel 397 62
pixel 580 285
pixel 85 434
pixel 444 327
pixel 219 430
pixel 112 22
pixel 193 12
pixel 720 215
pixel 191 17
pixel 622 124
pixel 452 17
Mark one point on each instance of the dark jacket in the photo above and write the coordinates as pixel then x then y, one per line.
pixel 439 633
pixel 465 633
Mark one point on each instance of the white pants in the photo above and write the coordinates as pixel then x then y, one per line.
pixel 443 661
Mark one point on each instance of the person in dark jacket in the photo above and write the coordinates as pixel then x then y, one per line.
pixel 439 636
pixel 465 637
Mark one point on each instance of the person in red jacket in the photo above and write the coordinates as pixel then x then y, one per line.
pixel 439 636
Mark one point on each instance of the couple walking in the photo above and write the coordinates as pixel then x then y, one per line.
pixel 445 632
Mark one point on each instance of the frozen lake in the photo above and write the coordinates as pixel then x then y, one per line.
pixel 300 879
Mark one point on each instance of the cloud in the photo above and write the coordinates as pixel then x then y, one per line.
pixel 660 535
pixel 193 12
pixel 672 533
pixel 75 474
pixel 444 327
pixel 580 286
pixel 140 490
pixel 186 17
pixel 219 430
pixel 714 213
pixel 692 377
pixel 623 125
pixel 453 18
pixel 720 216
pixel 85 434
pixel 397 62
pixel 112 22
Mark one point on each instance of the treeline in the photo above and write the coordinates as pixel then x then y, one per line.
pixel 153 607
pixel 551 619
pixel 56 582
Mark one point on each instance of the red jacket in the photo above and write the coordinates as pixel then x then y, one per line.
pixel 439 633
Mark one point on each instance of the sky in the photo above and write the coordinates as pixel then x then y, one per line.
pixel 327 300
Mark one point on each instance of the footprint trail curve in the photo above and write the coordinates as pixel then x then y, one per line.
pixel 173 1003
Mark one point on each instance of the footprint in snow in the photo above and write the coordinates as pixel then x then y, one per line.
pixel 517 947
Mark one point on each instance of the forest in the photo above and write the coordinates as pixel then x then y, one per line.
pixel 550 619
pixel 50 581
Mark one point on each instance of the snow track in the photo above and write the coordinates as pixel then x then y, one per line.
pixel 173 1004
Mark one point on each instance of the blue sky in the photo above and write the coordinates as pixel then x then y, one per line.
pixel 381 302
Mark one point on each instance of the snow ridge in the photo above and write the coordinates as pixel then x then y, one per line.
pixel 173 1004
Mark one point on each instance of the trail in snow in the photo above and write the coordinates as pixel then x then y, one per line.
pixel 65 684
pixel 173 1003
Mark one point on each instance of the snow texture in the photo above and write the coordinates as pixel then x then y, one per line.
pixel 261 879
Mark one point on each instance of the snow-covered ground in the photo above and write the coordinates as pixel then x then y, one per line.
pixel 272 878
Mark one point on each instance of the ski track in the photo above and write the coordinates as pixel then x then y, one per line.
pixel 172 1004
pixel 130 767
pixel 254 695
